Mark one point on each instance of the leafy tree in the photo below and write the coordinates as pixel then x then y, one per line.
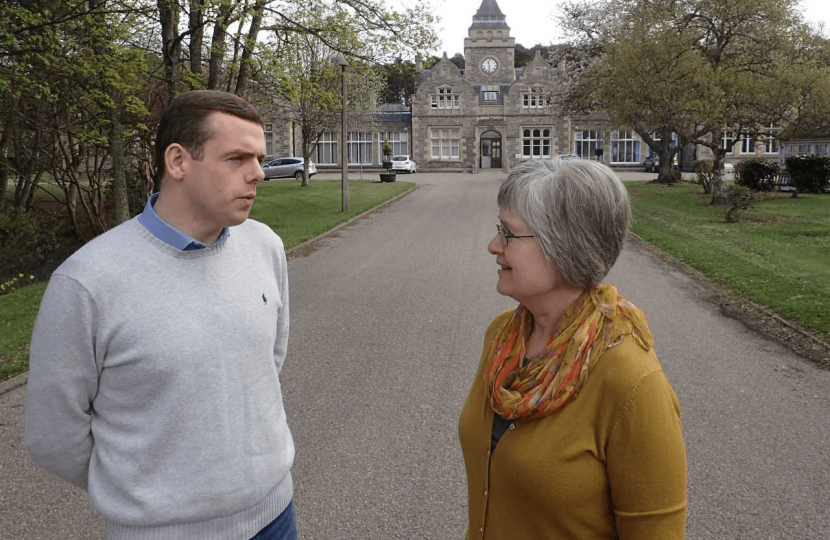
pixel 301 74
pixel 693 67
pixel 400 81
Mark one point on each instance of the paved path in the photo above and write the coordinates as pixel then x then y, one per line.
pixel 387 321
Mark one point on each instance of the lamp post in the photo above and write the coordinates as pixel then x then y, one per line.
pixel 340 60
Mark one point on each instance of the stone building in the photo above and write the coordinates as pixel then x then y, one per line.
pixel 490 114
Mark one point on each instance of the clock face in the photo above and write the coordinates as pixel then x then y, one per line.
pixel 489 65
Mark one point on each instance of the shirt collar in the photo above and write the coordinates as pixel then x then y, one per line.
pixel 169 234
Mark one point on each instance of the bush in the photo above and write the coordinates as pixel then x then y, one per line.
pixel 25 244
pixel 757 174
pixel 738 171
pixel 809 174
pixel 705 175
pixel 739 199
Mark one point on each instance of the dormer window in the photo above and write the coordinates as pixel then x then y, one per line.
pixel 535 99
pixel 446 99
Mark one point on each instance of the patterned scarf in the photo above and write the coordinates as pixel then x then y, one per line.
pixel 597 321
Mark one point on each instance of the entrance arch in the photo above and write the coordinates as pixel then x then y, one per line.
pixel 490 150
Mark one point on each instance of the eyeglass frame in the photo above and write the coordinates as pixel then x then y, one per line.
pixel 504 236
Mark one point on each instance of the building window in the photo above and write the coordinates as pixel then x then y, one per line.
pixel 534 100
pixel 625 146
pixel 821 149
pixel 728 140
pixel 490 97
pixel 360 147
pixel 446 99
pixel 770 144
pixel 445 143
pixel 327 149
pixel 587 142
pixel 269 139
pixel 536 143
pixel 747 146
pixel 399 141
pixel 770 140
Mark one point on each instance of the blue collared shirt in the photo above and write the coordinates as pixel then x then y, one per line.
pixel 168 233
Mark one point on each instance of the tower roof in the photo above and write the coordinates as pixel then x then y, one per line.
pixel 489 15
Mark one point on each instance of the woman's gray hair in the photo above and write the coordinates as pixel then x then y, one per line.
pixel 578 209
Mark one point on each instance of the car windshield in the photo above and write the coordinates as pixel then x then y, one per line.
pixel 399 158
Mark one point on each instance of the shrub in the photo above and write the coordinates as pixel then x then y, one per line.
pixel 738 171
pixel 809 174
pixel 757 174
pixel 25 244
pixel 705 175
pixel 739 199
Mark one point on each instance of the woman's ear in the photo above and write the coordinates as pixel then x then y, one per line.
pixel 174 161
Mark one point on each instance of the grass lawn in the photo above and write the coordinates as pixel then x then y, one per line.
pixel 778 255
pixel 17 316
pixel 296 214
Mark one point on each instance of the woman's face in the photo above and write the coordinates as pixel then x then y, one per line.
pixel 525 274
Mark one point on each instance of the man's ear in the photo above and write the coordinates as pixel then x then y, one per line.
pixel 175 157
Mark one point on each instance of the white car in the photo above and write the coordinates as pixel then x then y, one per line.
pixel 403 163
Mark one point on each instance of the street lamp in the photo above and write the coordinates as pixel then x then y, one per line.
pixel 340 60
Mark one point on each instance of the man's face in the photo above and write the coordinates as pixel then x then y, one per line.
pixel 220 188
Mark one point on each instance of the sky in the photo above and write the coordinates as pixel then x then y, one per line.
pixel 531 21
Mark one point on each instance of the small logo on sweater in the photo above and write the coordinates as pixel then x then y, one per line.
pixel 264 300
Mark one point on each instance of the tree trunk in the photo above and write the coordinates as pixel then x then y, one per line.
pixel 4 162
pixel 248 49
pixel 29 192
pixel 170 44
pixel 306 155
pixel 217 45
pixel 665 173
pixel 197 32
pixel 237 43
pixel 718 186
pixel 119 176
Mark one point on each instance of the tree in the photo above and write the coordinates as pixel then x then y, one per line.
pixel 400 81
pixel 302 74
pixel 693 67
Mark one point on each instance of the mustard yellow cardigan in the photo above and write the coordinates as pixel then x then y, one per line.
pixel 611 464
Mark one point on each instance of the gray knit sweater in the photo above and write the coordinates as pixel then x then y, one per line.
pixel 154 382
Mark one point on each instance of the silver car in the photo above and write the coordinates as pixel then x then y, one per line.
pixel 286 167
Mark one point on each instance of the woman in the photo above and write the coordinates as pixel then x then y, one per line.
pixel 571 430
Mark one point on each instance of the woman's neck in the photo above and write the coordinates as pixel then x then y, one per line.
pixel 547 313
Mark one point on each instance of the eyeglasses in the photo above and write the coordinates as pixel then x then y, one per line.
pixel 504 236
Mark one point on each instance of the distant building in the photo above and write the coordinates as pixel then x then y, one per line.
pixel 812 136
pixel 490 114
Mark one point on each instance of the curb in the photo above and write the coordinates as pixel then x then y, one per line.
pixel 293 253
pixel 21 379
pixel 763 309
pixel 15 382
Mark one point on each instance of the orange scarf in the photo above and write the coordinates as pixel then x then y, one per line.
pixel 597 321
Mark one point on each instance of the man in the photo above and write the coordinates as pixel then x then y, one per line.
pixel 155 357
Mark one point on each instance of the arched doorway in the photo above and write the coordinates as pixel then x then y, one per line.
pixel 490 150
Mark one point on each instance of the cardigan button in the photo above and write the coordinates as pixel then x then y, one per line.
pixel 485 492
pixel 512 426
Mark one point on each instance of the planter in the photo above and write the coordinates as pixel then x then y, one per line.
pixel 387 164
pixel 388 177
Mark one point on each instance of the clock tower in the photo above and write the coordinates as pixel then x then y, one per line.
pixel 489 51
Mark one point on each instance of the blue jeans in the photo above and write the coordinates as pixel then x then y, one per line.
pixel 282 528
